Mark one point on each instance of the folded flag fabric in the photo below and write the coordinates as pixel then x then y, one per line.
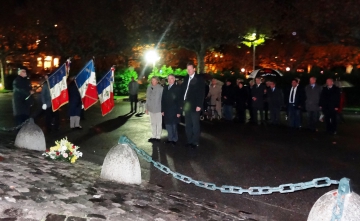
pixel 105 92
pixel 86 83
pixel 58 88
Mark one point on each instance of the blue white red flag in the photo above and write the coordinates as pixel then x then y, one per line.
pixel 105 92
pixel 58 88
pixel 86 83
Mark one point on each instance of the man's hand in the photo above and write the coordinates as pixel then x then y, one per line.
pixel 198 109
pixel 32 92
pixel 254 98
pixel 162 113
pixel 146 112
pixel 178 115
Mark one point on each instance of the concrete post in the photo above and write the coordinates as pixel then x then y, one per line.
pixel 31 137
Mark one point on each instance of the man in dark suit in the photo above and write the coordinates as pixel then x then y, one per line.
pixel 295 101
pixel 193 94
pixel 170 109
pixel 276 101
pixel 329 104
pixel 257 93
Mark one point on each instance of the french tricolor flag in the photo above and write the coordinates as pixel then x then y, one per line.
pixel 86 83
pixel 105 92
pixel 58 88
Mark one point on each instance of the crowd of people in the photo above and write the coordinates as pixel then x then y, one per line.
pixel 262 98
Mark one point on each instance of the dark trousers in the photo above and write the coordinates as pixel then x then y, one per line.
pixel 251 112
pixel 172 132
pixel 313 117
pixel 294 116
pixel 330 117
pixel 255 114
pixel 228 112
pixel 133 101
pixel 275 115
pixel 192 126
pixel 19 119
pixel 52 118
pixel 266 110
pixel 241 114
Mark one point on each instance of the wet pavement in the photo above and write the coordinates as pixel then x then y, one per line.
pixel 230 154
pixel 33 188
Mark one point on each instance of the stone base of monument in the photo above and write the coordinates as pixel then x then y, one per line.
pixel 121 165
pixel 339 205
pixel 31 137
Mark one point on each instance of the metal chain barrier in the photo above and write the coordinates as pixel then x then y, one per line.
pixel 14 128
pixel 284 188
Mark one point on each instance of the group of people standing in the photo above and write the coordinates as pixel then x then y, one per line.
pixel 265 100
pixel 168 102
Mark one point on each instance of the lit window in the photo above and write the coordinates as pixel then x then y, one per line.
pixel 56 62
pixel 39 62
pixel 47 62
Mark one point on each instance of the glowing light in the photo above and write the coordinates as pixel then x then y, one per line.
pixel 56 62
pixel 152 57
pixel 287 69
pixel 242 70
pixel 221 56
pixel 1 86
pixel 47 62
pixel 55 25
pixel 321 72
pixel 276 56
pixel 294 33
pixel 216 55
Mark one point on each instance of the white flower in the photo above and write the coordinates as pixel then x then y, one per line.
pixel 65 155
pixel 63 148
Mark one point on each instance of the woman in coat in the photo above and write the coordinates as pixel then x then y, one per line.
pixel 21 105
pixel 75 105
pixel 241 97
pixel 153 107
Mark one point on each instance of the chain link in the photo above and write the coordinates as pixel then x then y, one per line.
pixel 284 188
pixel 14 128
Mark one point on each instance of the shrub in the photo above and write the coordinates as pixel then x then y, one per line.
pixel 122 80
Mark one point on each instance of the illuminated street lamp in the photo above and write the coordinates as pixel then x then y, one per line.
pixel 253 40
pixel 242 70
pixel 152 57
pixel 287 69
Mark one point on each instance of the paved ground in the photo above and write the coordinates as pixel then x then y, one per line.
pixel 33 189
pixel 230 154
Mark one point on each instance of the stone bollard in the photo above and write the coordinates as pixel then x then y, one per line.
pixel 122 165
pixel 337 205
pixel 31 137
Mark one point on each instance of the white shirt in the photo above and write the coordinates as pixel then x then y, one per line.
pixel 190 77
pixel 292 99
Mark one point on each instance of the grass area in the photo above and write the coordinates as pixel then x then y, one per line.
pixel 141 95
pixel 4 91
pixel 352 109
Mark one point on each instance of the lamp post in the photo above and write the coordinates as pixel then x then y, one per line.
pixel 152 57
pixel 253 40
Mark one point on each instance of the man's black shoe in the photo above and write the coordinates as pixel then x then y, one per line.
pixel 168 142
pixel 194 146
pixel 173 143
pixel 151 139
pixel 188 145
pixel 157 140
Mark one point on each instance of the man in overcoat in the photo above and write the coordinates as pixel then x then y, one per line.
pixel 170 108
